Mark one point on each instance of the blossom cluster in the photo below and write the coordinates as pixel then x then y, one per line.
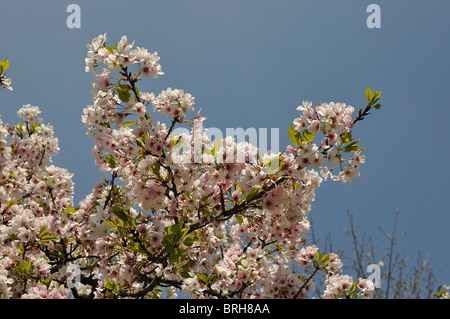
pixel 223 220
pixel 174 103
pixel 334 121
pixel 119 56
pixel 34 195
pixel 4 82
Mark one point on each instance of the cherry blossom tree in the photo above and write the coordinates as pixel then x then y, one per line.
pixel 176 212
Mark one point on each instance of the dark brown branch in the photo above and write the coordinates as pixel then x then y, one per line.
pixel 306 282
pixel 174 121
pixel 362 114
pixel 132 82
pixel 108 198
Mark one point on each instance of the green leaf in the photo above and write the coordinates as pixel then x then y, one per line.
pixel 156 168
pixel 13 237
pixel 122 214
pixel 20 127
pixel 168 248
pixel 10 202
pixel 23 268
pixel 136 90
pixel 325 259
pixel 212 278
pixel 275 164
pixel 72 209
pixel 110 50
pixel 377 106
pixel 369 94
pixel 27 266
pixel 239 219
pixel 184 232
pixel 203 277
pixel 148 117
pixel 48 237
pixel 294 135
pixel 124 95
pixel 317 256
pixel 47 282
pixel 4 65
pixel 112 224
pixel 42 230
pixel 173 229
pixel 110 285
pixel 135 247
pixel 174 234
pixel 190 239
pixel 346 137
pixel 111 161
pixel 127 123
pixel 353 287
pixel 178 145
pixel 205 151
pixel 208 280
pixel 140 143
pixel 184 271
pixel 352 147
pixel 308 136
pixel 124 92
pixel 253 193
pixel 217 144
pixel 377 96
pixel 176 255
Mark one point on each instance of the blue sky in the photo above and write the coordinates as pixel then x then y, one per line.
pixel 250 64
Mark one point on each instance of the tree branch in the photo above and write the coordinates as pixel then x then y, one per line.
pixel 306 282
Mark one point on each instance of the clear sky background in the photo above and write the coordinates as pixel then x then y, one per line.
pixel 250 64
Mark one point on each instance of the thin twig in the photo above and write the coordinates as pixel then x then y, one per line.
pixel 306 282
